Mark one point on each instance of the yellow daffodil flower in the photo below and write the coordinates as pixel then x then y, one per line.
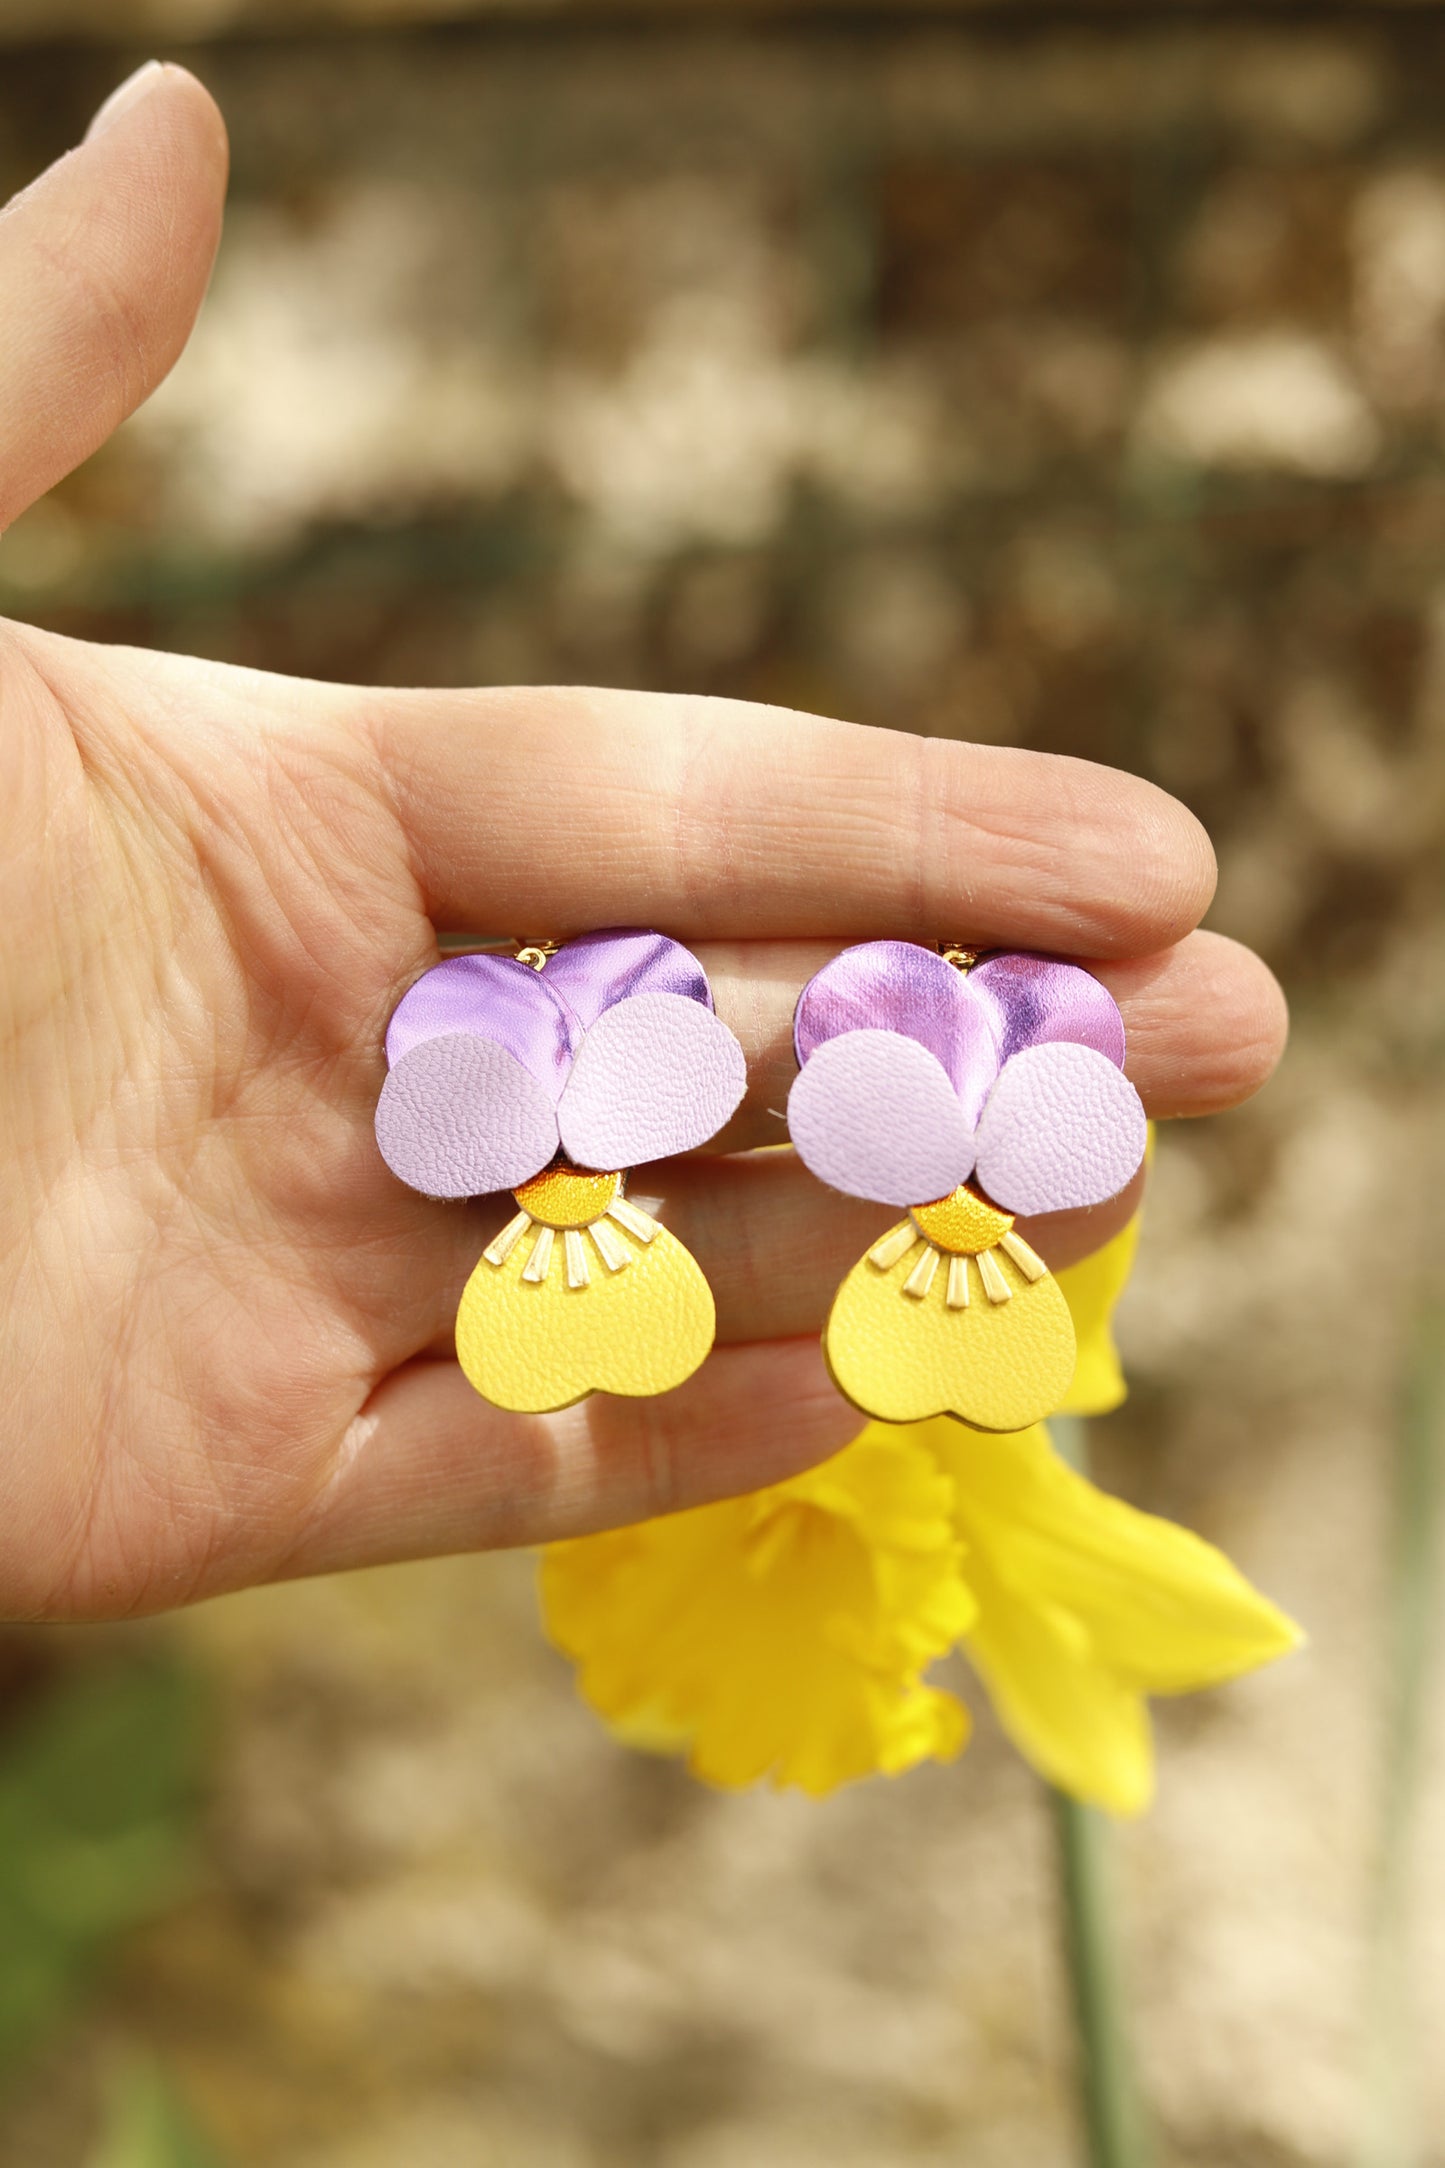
pixel 786 1634
pixel 783 1634
pixel 1092 1290
pixel 1085 1607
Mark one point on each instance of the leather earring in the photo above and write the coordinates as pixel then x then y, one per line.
pixel 969 1093
pixel 551 1073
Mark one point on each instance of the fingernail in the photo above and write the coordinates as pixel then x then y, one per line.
pixel 127 94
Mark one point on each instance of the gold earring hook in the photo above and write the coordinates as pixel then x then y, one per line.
pixel 953 952
pixel 533 952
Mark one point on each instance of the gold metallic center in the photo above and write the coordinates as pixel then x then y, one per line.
pixel 962 1223
pixel 561 1197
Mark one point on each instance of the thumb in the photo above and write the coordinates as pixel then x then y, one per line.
pixel 103 266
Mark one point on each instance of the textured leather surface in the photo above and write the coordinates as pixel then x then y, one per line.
pixel 533 1348
pixel 656 1074
pixel 1062 1128
pixel 872 1113
pixel 900 986
pixel 459 1117
pixel 997 1366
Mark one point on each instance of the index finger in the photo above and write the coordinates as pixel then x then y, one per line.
pixel 560 809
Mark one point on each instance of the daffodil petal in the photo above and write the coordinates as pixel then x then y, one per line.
pixel 1162 1610
pixel 1066 1713
pixel 1092 1289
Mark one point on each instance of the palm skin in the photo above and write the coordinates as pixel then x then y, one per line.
pixel 215 927
pixel 226 1355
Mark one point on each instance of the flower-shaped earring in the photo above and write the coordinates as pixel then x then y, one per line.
pixel 550 1074
pixel 968 1095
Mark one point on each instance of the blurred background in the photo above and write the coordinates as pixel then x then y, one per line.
pixel 997 372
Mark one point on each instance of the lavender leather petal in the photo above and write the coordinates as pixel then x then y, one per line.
pixel 898 986
pixel 498 999
pixel 598 969
pixel 1037 1000
pixel 874 1114
pixel 655 1075
pixel 1062 1128
pixel 459 1117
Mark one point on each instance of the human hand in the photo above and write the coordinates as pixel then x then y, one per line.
pixel 227 1344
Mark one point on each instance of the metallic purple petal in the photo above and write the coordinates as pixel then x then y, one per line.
pixel 1037 1000
pixel 899 987
pixel 1063 1128
pixel 460 1117
pixel 496 998
pixel 874 1114
pixel 657 1074
pixel 598 969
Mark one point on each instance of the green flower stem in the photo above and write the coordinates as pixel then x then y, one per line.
pixel 1390 2137
pixel 1109 2096
pixel 1110 2104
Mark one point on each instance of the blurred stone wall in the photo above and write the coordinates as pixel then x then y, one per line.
pixel 1071 385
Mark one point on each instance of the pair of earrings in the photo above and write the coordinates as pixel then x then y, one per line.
pixel 964 1092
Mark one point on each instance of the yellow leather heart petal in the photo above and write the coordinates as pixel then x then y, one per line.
pixel 997 1366
pixel 535 1346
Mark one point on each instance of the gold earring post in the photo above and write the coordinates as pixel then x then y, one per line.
pixel 533 953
